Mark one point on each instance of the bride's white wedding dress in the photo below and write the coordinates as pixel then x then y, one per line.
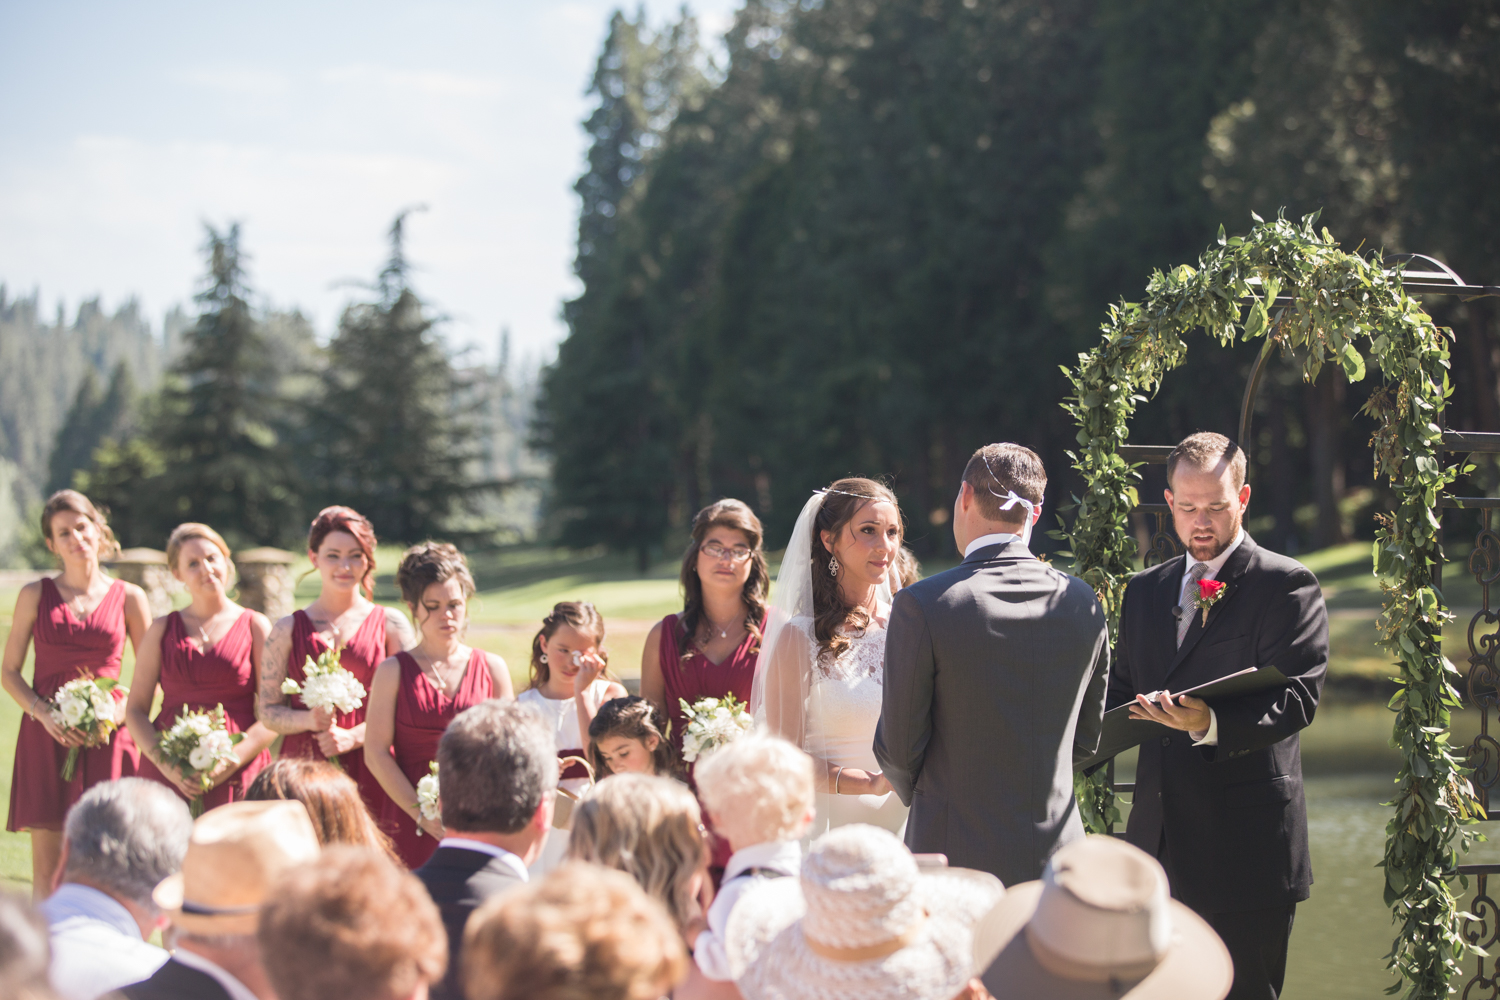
pixel 843 709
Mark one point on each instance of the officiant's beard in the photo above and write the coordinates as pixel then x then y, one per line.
pixel 1212 552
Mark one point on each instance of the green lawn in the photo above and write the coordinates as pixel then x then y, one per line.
pixel 517 587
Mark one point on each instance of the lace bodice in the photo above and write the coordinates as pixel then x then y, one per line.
pixel 864 656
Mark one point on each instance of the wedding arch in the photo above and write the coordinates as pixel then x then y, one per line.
pixel 1292 285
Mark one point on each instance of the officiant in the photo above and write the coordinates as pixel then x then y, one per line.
pixel 1219 799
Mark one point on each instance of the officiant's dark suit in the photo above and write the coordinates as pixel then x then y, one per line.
pixel 459 882
pixel 1229 822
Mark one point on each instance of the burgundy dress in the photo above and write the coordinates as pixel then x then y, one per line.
pixel 699 677
pixel 200 680
pixel 65 648
pixel 422 713
pixel 360 656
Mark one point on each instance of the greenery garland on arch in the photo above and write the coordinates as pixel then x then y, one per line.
pixel 1349 311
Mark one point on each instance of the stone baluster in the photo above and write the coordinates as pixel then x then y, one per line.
pixel 266 583
pixel 147 569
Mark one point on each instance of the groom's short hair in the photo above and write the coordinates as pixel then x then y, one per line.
pixel 1206 450
pixel 998 469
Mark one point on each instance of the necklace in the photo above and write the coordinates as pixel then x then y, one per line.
pixel 437 677
pixel 724 629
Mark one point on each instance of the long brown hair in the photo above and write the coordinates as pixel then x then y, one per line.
pixel 581 615
pixel 351 522
pixel 339 815
pixel 831 613
pixel 723 514
pixel 72 500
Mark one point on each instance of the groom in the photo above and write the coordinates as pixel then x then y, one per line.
pixel 995 674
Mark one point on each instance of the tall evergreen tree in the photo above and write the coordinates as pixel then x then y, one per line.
pixel 607 426
pixel 93 418
pixel 221 429
pixel 390 433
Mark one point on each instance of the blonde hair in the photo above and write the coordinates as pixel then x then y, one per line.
pixel 582 933
pixel 648 827
pixel 758 789
pixel 77 503
pixel 184 533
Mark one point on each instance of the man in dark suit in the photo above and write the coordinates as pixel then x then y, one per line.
pixel 1219 801
pixel 994 684
pixel 497 765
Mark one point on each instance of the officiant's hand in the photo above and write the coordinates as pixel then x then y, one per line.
pixel 1183 712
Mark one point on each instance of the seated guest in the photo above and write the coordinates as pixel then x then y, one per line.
pixel 627 737
pixel 863 921
pixel 338 812
pixel 581 933
pixel 121 839
pixel 235 854
pixel 1100 924
pixel 23 950
pixel 650 828
pixel 758 791
pixel 497 773
pixel 352 924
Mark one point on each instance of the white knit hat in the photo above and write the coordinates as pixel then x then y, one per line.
pixel 862 921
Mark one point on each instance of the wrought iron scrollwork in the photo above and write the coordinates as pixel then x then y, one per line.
pixel 1482 928
pixel 1483 931
pixel 1164 544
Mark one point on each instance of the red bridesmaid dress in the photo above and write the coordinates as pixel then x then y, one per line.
pixel 200 680
pixel 695 677
pixel 361 655
pixel 66 647
pixel 422 713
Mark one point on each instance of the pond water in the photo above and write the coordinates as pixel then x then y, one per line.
pixel 1342 934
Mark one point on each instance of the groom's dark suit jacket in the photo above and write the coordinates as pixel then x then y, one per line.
pixel 994 685
pixel 1233 816
pixel 459 882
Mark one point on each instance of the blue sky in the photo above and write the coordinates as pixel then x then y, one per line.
pixel 126 125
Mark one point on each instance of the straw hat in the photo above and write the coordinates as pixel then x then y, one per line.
pixel 235 853
pixel 1099 924
pixel 861 921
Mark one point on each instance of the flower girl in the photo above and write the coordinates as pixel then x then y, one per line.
pixel 627 737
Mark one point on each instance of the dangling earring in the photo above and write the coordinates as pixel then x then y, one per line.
pixel 833 566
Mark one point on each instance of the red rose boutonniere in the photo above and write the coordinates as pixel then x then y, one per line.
pixel 1210 592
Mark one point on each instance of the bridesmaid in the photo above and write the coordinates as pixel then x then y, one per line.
pixel 78 620
pixel 341 545
pixel 709 649
pixel 205 655
pixel 418 692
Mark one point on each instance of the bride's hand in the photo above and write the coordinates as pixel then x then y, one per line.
pixel 879 784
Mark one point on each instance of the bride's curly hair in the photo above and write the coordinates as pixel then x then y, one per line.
pixel 832 615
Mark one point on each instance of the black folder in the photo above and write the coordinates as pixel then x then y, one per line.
pixel 1121 732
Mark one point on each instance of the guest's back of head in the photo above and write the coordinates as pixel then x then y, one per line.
pixel 650 828
pixel 351 924
pixel 758 789
pixel 582 933
pixel 497 762
pixel 125 836
pixel 24 953
pixel 338 814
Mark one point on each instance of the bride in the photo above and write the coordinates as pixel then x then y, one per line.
pixel 818 682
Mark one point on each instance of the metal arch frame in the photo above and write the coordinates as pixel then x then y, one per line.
pixel 1482 677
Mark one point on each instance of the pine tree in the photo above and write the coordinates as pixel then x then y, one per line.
pixel 390 433
pixel 93 418
pixel 610 431
pixel 221 430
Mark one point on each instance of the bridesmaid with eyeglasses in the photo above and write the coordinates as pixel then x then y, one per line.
pixel 709 649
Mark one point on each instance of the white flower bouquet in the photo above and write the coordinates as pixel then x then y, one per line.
pixel 427 795
pixel 711 723
pixel 195 744
pixel 85 705
pixel 326 684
